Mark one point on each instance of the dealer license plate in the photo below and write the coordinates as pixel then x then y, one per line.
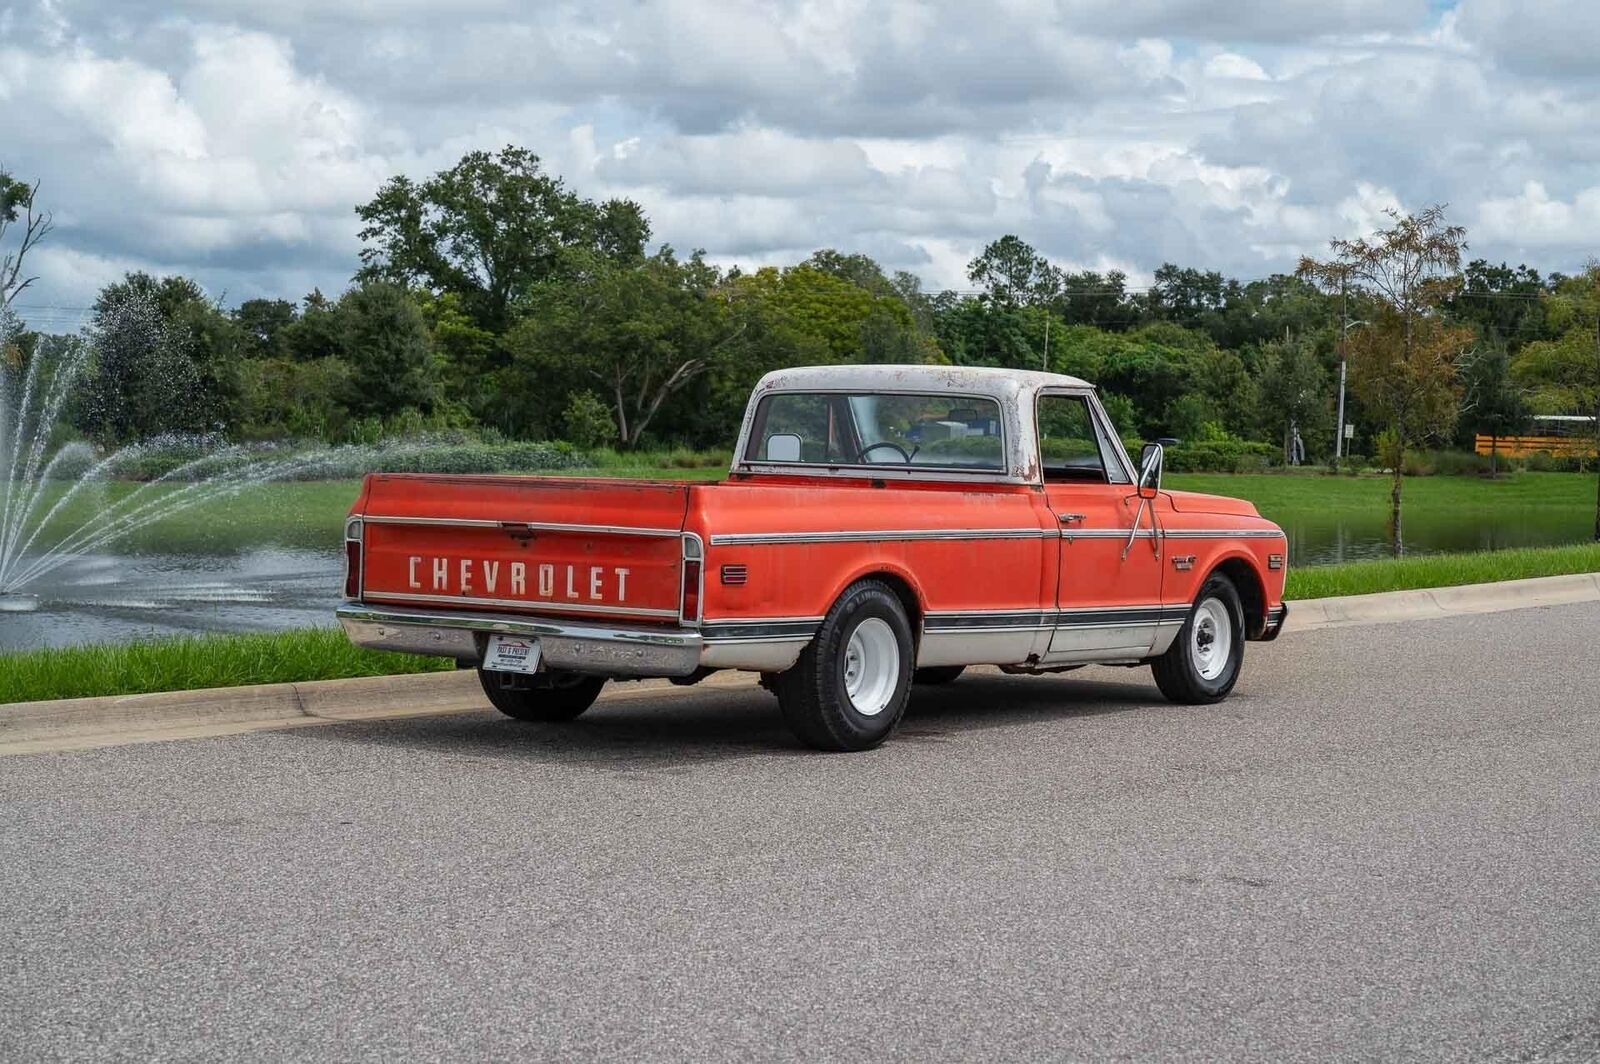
pixel 511 653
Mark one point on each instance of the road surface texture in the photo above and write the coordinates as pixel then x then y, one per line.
pixel 1385 846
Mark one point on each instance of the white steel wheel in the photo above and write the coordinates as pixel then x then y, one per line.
pixel 1202 664
pixel 1211 639
pixel 871 666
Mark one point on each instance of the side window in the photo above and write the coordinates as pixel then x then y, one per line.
pixel 1071 444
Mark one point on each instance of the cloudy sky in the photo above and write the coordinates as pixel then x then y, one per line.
pixel 230 139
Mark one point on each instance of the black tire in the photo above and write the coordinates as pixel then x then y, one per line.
pixel 1178 672
pixel 937 674
pixel 545 697
pixel 813 694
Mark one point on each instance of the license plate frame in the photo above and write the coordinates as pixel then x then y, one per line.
pixel 512 653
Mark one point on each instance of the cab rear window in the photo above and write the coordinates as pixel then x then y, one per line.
pixel 834 429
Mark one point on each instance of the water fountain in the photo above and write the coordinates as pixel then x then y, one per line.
pixel 63 501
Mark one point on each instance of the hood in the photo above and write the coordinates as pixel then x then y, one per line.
pixel 1194 502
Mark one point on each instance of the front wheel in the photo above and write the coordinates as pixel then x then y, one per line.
pixel 1202 664
pixel 543 697
pixel 851 684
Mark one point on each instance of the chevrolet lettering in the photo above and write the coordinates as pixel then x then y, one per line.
pixel 880 527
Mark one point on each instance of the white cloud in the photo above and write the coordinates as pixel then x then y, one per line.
pixel 231 140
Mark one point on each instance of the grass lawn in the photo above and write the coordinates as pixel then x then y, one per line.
pixel 1288 497
pixel 197 662
pixel 1440 570
pixel 325 654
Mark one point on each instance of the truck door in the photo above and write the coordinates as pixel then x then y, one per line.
pixel 1108 598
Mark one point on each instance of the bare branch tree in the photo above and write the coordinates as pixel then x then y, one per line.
pixel 17 201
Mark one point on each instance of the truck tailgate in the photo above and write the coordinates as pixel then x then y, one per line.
pixel 599 548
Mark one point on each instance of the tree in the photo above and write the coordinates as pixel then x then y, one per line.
pixel 488 229
pixel 17 199
pixel 166 360
pixel 391 361
pixel 639 333
pixel 1564 373
pixel 1403 362
pixel 1503 302
pixel 1294 390
pixel 1012 274
pixel 264 322
pixel 1494 404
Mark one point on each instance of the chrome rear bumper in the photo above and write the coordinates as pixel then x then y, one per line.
pixel 609 650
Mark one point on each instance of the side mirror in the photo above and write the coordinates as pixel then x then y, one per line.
pixel 1151 459
pixel 783 447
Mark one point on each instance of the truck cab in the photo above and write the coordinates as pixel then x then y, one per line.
pixel 880 526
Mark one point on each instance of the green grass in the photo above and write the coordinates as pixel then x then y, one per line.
pixel 325 654
pixel 1440 570
pixel 1292 497
pixel 197 662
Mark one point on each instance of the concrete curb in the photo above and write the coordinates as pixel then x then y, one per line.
pixel 86 723
pixel 1391 607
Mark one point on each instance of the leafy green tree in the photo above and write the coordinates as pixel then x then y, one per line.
pixel 391 361
pixel 588 421
pixel 1564 373
pixel 637 333
pixel 860 270
pixel 1012 274
pixel 1504 303
pixel 319 332
pixel 490 228
pixel 1293 393
pixel 1403 363
pixel 166 360
pixel 1494 403
pixel 17 205
pixel 264 322
pixel 284 397
pixel 1090 298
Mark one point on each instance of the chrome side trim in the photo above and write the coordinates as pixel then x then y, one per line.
pixel 760 630
pixel 534 526
pixel 747 539
pixel 601 650
pixel 1223 533
pixel 546 604
pixel 733 539
pixel 1045 620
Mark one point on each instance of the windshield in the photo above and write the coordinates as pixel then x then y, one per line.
pixel 938 431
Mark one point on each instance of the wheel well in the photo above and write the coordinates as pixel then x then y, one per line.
pixel 907 597
pixel 1252 595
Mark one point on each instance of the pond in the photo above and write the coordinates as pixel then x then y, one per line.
pixel 272 560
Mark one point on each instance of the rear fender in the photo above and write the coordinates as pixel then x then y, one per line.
pixel 898 577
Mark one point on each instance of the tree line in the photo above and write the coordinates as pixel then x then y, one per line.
pixel 492 298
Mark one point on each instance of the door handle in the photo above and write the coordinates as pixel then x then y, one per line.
pixel 1069 518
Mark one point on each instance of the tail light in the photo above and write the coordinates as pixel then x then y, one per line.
pixel 352 558
pixel 693 579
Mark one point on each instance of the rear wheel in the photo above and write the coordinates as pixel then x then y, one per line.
pixel 850 687
pixel 546 696
pixel 937 674
pixel 1202 664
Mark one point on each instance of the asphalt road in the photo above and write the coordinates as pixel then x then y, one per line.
pixel 1385 846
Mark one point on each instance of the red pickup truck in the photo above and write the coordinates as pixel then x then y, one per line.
pixel 880 526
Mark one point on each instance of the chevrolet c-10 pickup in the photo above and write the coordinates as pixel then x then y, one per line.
pixel 881 526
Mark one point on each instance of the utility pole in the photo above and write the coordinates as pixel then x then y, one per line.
pixel 1344 343
pixel 1047 370
pixel 1597 424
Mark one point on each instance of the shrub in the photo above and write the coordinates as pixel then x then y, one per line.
pixel 588 421
pixel 1232 456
